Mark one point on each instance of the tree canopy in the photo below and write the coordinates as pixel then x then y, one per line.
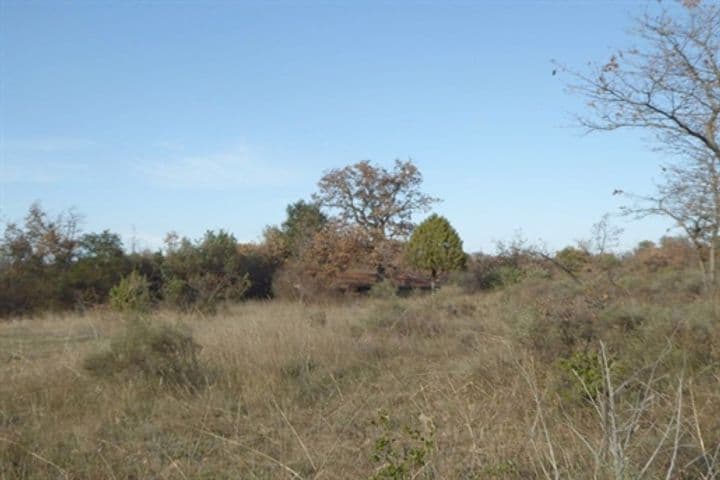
pixel 377 200
pixel 302 221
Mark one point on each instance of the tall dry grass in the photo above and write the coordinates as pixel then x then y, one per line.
pixel 348 390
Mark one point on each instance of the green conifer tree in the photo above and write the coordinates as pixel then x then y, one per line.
pixel 435 246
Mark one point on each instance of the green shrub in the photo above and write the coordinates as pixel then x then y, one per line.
pixel 573 258
pixel 177 293
pixel 200 275
pixel 164 352
pixel 132 294
pixel 404 454
pixel 607 261
pixel 306 380
pixel 583 372
pixel 691 329
pixel 384 289
pixel 625 317
pixel 502 469
pixel 508 275
pixel 491 276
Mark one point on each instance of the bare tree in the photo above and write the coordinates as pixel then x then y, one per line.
pixel 670 88
pixel 379 201
pixel 604 236
pixel 690 196
pixel 42 240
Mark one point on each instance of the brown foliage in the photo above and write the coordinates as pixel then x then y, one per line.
pixel 338 258
pixel 335 249
pixel 332 250
pixel 378 201
pixel 673 252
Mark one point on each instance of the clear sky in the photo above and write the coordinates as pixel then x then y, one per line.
pixel 193 115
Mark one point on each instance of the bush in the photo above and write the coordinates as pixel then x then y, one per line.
pixel 260 266
pixel 507 275
pixel 306 380
pixel 554 319
pixel 132 294
pixel 202 274
pixel 574 259
pixel 583 371
pixel 486 272
pixel 401 453
pixel 164 352
pixel 384 289
pixel 292 282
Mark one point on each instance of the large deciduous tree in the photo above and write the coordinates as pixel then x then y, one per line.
pixel 379 201
pixel 669 87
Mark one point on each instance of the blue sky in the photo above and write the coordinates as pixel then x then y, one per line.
pixel 155 116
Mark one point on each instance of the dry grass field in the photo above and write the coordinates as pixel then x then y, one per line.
pixel 357 334
pixel 544 379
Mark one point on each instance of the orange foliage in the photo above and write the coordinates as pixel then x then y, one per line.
pixel 673 252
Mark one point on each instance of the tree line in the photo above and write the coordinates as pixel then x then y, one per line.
pixel 348 230
pixel 360 218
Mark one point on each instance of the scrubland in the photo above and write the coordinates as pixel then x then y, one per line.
pixel 546 378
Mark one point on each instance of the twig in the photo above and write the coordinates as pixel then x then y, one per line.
pixel 678 419
pixel 701 441
pixel 255 451
pixel 39 457
pixel 539 417
pixel 297 436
